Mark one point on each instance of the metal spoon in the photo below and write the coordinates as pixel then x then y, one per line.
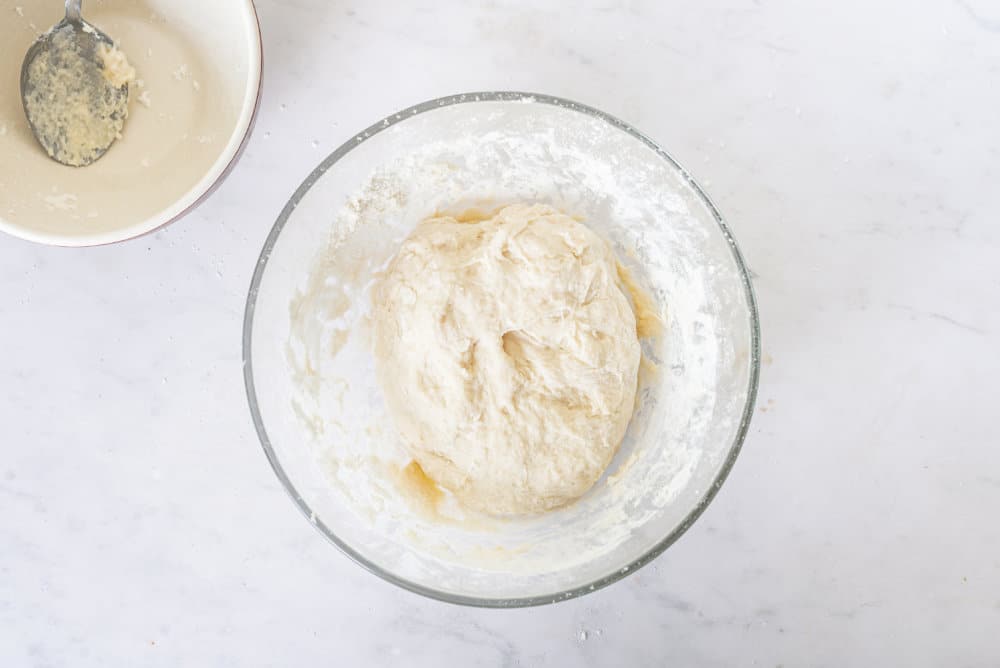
pixel 75 103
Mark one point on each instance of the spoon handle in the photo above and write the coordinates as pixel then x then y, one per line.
pixel 73 10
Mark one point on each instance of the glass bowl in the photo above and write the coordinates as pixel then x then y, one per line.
pixel 309 372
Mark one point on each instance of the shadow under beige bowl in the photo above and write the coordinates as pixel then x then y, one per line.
pixel 199 70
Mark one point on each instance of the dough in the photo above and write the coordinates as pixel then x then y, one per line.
pixel 508 356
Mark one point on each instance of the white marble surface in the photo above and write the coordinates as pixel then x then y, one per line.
pixel 854 147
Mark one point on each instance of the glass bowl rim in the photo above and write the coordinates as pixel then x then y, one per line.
pixel 474 601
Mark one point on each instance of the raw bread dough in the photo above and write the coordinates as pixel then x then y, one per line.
pixel 507 352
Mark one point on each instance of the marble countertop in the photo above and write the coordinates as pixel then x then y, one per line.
pixel 855 150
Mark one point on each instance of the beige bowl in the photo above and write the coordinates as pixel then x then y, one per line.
pixel 190 113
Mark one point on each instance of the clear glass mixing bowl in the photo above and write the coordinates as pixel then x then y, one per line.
pixel 309 373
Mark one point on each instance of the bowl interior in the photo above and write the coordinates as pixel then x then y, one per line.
pixel 310 373
pixel 199 65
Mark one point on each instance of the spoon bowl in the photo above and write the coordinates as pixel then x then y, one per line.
pixel 75 89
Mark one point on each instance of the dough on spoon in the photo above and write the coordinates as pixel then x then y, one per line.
pixel 508 356
pixel 77 102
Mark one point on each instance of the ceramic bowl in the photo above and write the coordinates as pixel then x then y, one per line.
pixel 190 113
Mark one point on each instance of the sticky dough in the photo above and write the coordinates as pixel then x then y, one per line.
pixel 507 352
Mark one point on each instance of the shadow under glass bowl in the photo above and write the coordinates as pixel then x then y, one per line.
pixel 694 410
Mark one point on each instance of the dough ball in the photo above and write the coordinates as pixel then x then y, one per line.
pixel 508 356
